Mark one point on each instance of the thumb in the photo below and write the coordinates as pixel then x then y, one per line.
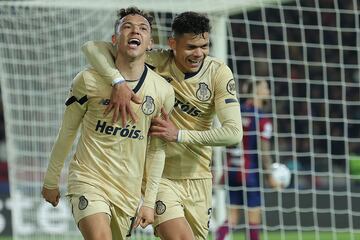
pixel 135 98
pixel 144 223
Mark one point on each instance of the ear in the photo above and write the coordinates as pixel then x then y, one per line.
pixel 172 43
pixel 113 39
pixel 151 44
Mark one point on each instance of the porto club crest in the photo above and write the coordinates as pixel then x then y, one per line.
pixel 160 207
pixel 83 202
pixel 203 93
pixel 148 106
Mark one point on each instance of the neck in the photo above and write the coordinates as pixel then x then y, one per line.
pixel 129 68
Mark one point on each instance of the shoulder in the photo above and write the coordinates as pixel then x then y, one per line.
pixel 157 79
pixel 161 88
pixel 216 63
pixel 157 57
pixel 217 69
pixel 88 79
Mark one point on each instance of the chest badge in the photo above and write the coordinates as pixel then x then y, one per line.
pixel 148 106
pixel 203 93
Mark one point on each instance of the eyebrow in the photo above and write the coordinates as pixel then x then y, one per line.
pixel 195 46
pixel 140 24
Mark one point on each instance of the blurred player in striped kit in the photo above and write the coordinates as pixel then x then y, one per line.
pixel 243 161
pixel 204 86
pixel 111 161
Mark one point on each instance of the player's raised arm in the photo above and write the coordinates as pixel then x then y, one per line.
pixel 75 109
pixel 101 56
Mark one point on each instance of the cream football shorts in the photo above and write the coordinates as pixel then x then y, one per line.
pixel 189 198
pixel 86 204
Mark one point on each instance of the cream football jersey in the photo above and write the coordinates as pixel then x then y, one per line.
pixel 198 97
pixel 109 156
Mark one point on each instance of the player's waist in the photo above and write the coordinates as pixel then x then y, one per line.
pixel 121 198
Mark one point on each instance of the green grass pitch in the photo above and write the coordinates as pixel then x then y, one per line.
pixel 271 236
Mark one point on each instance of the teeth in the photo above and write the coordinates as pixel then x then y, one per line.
pixel 192 61
pixel 134 41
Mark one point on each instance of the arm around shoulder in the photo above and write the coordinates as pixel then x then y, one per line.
pixel 101 56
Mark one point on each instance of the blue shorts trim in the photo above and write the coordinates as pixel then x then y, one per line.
pixel 237 191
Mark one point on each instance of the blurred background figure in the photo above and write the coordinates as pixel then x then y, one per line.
pixel 245 161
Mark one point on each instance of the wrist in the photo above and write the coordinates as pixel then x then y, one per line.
pixel 178 136
pixel 117 81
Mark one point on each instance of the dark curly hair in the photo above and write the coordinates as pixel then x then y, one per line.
pixel 190 22
pixel 131 11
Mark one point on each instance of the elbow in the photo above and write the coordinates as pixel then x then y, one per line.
pixel 236 136
pixel 86 46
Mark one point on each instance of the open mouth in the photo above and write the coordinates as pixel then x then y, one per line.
pixel 194 61
pixel 134 42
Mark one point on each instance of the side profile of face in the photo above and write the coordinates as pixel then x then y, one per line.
pixel 190 51
pixel 262 89
pixel 262 92
pixel 133 36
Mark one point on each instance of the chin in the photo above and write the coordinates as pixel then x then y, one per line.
pixel 193 70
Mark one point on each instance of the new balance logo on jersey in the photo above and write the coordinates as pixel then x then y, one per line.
pixel 128 132
pixel 186 107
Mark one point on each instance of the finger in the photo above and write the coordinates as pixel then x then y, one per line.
pixel 123 116
pixel 115 115
pixel 132 114
pixel 137 222
pixel 108 109
pixel 157 134
pixel 54 203
pixel 136 99
pixel 144 223
pixel 158 121
pixel 164 114
pixel 157 129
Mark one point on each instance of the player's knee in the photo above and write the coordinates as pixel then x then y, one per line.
pixel 101 235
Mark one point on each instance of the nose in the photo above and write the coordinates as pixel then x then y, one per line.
pixel 136 29
pixel 198 52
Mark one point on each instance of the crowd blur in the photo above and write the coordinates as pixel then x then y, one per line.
pixel 309 52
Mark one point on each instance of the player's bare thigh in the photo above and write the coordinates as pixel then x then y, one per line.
pixel 176 215
pixel 254 215
pixel 92 214
pixel 96 227
pixel 175 229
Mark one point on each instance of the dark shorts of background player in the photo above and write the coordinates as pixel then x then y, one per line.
pixel 237 190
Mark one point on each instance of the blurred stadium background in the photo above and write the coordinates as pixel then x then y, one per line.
pixel 308 50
